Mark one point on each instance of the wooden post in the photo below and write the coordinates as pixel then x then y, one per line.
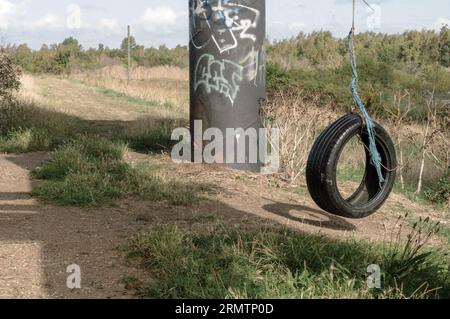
pixel 129 54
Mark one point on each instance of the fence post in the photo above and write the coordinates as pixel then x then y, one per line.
pixel 129 54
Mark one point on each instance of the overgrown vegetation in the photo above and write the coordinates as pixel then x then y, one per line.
pixel 411 64
pixel 405 84
pixel 28 127
pixel 25 127
pixel 90 171
pixel 415 61
pixel 69 56
pixel 440 192
pixel 9 78
pixel 306 77
pixel 223 262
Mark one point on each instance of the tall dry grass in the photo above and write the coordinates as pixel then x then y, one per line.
pixel 423 149
pixel 295 114
pixel 140 73
pixel 163 84
pixel 299 121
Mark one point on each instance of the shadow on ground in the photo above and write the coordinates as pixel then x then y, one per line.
pixel 309 216
pixel 38 242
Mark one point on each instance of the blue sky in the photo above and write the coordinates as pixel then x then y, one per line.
pixel 157 22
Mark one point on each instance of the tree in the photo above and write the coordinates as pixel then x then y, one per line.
pixel 9 77
pixel 444 40
pixel 124 45
pixel 72 43
pixel 66 51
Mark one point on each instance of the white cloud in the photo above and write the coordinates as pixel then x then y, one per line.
pixel 278 26
pixel 162 18
pixel 46 22
pixel 440 22
pixel 296 25
pixel 74 20
pixel 10 12
pixel 110 25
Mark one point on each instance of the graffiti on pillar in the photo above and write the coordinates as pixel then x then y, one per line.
pixel 223 22
pixel 243 27
pixel 221 76
pixel 251 65
pixel 226 24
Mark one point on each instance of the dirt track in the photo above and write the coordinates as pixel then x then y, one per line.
pixel 38 242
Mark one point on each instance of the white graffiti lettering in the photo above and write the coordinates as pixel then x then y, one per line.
pixel 251 65
pixel 228 18
pixel 222 76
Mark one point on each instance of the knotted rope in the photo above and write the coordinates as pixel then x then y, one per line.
pixel 375 157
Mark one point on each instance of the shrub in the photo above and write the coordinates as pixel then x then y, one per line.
pixel 440 193
pixel 9 77
pixel 90 171
pixel 87 171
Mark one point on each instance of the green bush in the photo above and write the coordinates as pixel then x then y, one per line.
pixel 440 193
pixel 91 171
pixel 88 171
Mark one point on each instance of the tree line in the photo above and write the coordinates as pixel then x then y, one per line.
pixel 69 55
pixel 410 50
pixel 414 61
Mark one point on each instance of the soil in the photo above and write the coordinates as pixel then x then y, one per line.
pixel 38 241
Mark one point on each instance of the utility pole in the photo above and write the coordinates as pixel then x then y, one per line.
pixel 129 54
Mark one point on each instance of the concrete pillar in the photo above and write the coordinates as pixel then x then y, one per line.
pixel 227 71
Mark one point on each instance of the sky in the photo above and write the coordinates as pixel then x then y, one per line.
pixel 166 21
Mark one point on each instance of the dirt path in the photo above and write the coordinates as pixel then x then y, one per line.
pixel 38 242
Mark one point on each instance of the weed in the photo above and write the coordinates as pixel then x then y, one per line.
pixel 223 262
pixel 90 171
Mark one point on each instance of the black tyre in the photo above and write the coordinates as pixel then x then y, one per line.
pixel 322 167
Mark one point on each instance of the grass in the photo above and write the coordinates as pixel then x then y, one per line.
pixel 440 192
pixel 167 86
pixel 347 173
pixel 220 261
pixel 91 172
pixel 128 98
pixel 25 127
pixel 153 137
pixel 443 230
pixel 29 140
pixel 21 142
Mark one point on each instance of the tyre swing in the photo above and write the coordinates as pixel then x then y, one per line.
pixel 381 162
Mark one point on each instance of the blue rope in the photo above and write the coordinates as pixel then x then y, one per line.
pixel 375 157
